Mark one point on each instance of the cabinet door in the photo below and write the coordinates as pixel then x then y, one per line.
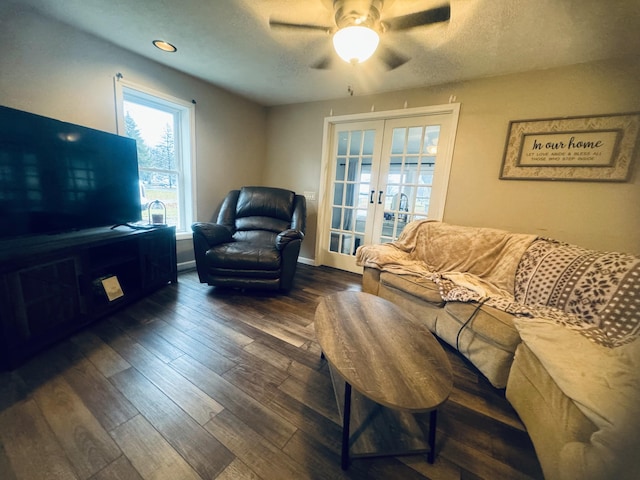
pixel 158 256
pixel 44 298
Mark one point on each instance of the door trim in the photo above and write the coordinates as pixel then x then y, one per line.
pixel 452 109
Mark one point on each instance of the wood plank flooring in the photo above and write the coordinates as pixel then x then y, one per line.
pixel 195 382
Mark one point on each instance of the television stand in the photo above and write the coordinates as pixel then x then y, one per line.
pixel 53 285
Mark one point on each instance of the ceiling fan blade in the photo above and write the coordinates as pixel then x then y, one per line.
pixel 426 17
pixel 391 58
pixel 298 26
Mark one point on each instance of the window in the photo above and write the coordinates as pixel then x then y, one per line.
pixel 163 129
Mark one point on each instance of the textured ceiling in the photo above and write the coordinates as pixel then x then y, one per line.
pixel 229 42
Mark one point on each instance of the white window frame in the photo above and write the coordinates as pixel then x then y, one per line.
pixel 185 150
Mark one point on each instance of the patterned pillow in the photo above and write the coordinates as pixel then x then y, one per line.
pixel 601 288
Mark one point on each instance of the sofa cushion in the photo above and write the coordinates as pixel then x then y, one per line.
pixel 244 256
pixel 488 340
pixel 415 285
pixel 265 202
pixel 494 326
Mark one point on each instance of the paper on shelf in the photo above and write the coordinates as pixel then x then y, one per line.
pixel 112 288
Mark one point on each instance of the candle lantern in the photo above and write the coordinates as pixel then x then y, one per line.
pixel 157 212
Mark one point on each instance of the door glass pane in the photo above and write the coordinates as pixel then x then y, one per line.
pixel 427 165
pixel 355 146
pixel 336 217
pixel 361 220
pixel 359 240
pixel 389 199
pixel 338 192
pixel 401 203
pixel 343 142
pixel 334 242
pixel 347 219
pixel 414 140
pixel 422 200
pixel 354 163
pixel 410 171
pixel 363 196
pixel 395 170
pixel 365 168
pixel 397 144
pixel 350 198
pixel 369 140
pixel 341 164
pixel 431 138
pixel 346 244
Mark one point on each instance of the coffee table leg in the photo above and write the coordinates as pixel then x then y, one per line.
pixel 433 417
pixel 346 418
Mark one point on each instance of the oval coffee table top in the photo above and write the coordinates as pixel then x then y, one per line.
pixel 383 352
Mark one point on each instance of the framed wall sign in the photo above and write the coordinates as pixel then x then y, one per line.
pixel 596 148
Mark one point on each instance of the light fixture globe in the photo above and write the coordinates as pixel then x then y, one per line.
pixel 355 44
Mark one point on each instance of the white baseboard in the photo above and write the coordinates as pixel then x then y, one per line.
pixel 307 261
pixel 190 265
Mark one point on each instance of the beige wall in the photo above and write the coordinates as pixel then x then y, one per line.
pixel 54 70
pixel 598 215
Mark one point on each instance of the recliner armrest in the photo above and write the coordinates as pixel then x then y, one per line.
pixel 287 236
pixel 213 233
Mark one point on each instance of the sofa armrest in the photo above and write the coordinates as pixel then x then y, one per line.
pixel 213 233
pixel 283 238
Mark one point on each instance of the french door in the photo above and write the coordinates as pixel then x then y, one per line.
pixel 382 174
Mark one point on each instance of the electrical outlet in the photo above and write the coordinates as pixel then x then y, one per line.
pixel 310 196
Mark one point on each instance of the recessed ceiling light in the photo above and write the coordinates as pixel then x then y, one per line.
pixel 164 46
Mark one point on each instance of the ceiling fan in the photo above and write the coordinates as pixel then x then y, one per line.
pixel 358 26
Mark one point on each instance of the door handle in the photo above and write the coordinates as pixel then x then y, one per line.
pixel 380 197
pixel 373 192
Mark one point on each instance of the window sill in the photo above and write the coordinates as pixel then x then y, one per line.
pixel 184 236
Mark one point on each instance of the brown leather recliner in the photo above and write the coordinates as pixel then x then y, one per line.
pixel 255 241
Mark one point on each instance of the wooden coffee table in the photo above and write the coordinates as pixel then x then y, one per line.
pixel 396 367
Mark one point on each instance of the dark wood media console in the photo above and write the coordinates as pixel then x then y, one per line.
pixel 51 285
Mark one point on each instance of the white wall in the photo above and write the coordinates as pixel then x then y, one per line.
pixel 54 70
pixel 596 215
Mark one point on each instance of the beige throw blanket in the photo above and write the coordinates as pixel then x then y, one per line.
pixel 483 260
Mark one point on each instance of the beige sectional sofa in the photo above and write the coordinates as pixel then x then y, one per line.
pixel 555 324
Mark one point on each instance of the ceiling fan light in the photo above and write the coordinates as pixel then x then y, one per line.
pixel 355 44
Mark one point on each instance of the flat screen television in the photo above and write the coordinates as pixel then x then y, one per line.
pixel 58 177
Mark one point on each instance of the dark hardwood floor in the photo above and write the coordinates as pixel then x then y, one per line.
pixel 195 382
